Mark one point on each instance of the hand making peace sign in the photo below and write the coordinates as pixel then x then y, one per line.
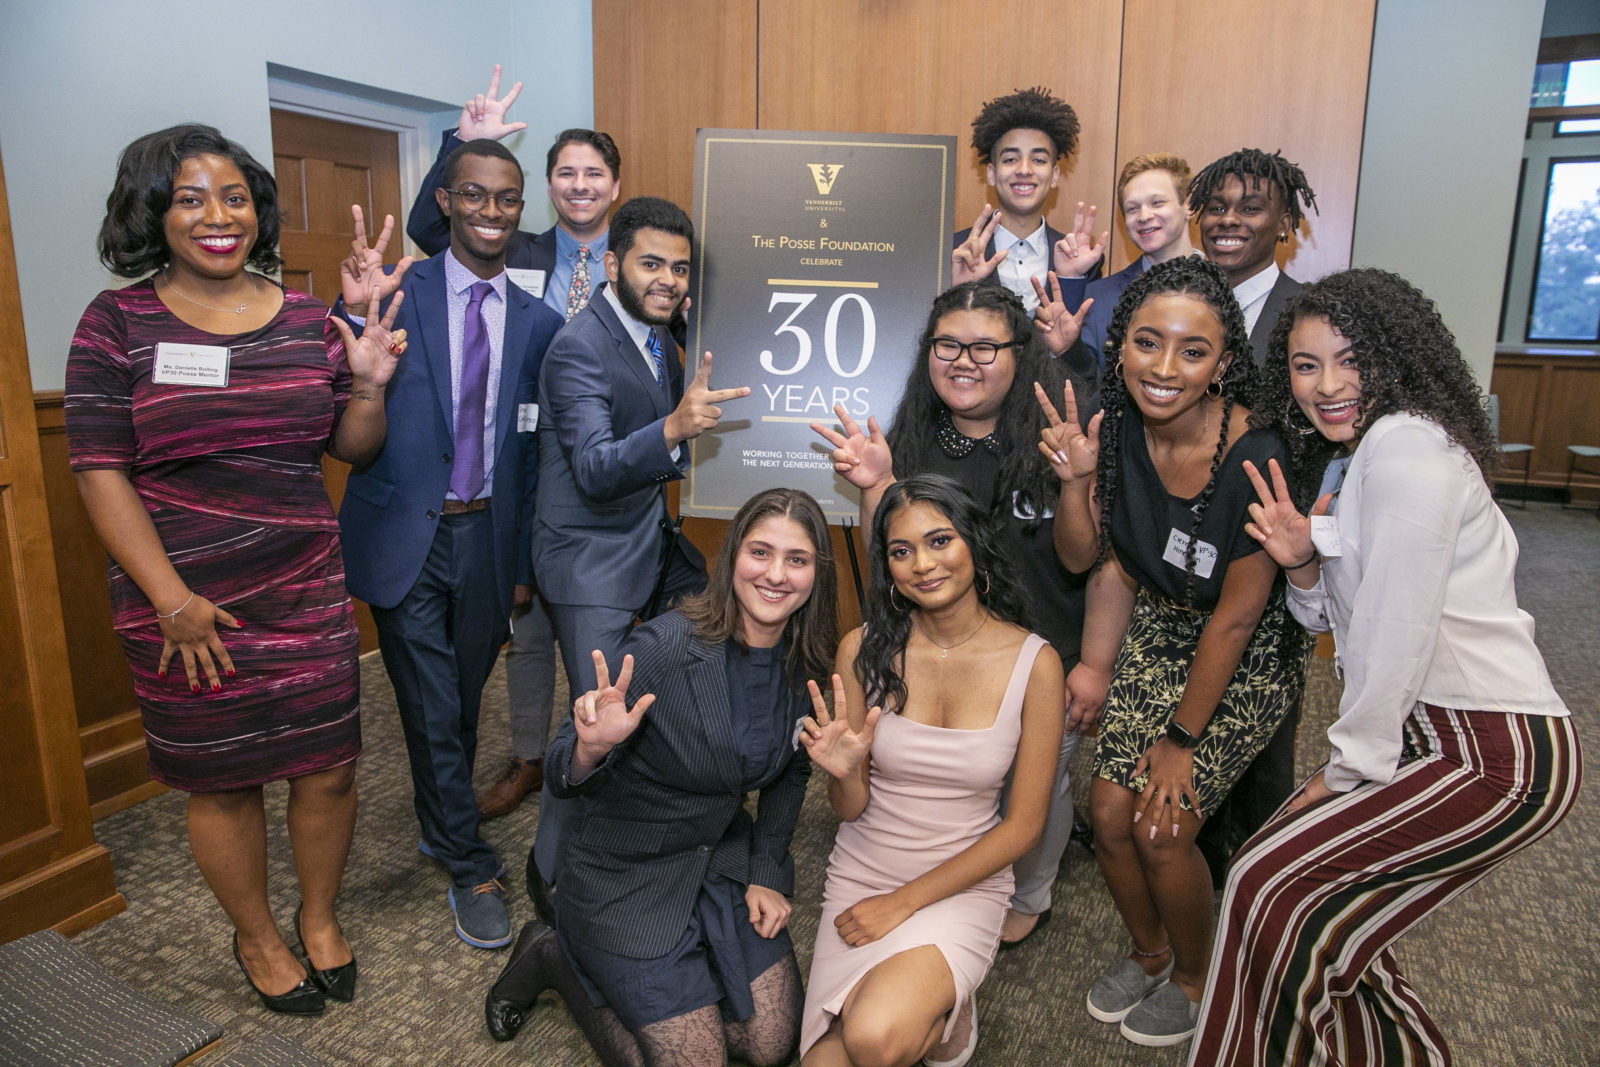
pixel 362 280
pixel 1072 453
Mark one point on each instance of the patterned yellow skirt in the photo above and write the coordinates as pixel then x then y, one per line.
pixel 1148 680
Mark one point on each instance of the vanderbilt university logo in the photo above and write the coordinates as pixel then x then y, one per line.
pixel 824 174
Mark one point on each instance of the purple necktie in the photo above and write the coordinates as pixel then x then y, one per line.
pixel 466 472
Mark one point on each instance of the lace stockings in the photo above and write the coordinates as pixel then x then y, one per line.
pixel 701 1039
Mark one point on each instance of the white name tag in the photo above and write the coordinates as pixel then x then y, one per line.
pixel 1325 535
pixel 205 365
pixel 529 281
pixel 527 418
pixel 1205 554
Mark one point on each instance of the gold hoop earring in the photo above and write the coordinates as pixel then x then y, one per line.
pixel 986 584
pixel 1116 368
pixel 892 591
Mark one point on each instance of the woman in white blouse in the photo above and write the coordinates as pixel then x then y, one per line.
pixel 1452 750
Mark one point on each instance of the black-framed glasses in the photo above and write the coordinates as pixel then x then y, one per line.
pixel 476 198
pixel 982 352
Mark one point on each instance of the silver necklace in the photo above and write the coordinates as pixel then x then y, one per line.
pixel 226 311
pixel 944 653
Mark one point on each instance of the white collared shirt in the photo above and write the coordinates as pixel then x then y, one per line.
pixel 1421 600
pixel 1029 259
pixel 1252 295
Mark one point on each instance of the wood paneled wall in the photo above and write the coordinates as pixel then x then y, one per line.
pixel 1548 400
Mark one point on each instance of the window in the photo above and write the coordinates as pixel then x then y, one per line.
pixel 1566 291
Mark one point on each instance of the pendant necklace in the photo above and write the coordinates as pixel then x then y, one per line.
pixel 226 311
pixel 944 653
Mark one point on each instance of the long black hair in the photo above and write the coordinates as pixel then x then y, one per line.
pixel 133 235
pixel 914 435
pixel 1204 281
pixel 1408 360
pixel 886 628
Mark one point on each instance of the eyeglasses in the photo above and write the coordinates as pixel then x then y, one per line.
pixel 476 198
pixel 982 352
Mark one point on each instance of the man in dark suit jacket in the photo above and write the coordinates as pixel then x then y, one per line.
pixel 436 528
pixel 582 171
pixel 617 421
pixel 1248 203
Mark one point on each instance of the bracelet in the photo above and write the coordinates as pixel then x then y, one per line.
pixel 174 615
pixel 1303 563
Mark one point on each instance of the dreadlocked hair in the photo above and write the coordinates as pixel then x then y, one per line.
pixel 1252 167
pixel 1025 109
pixel 886 628
pixel 914 435
pixel 1408 361
pixel 1192 276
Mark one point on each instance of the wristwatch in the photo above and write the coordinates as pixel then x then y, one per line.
pixel 1178 735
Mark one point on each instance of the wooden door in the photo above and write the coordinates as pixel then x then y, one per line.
pixel 323 167
pixel 52 873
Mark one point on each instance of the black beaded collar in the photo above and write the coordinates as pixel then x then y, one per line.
pixel 958 445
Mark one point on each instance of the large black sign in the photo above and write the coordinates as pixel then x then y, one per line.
pixel 818 256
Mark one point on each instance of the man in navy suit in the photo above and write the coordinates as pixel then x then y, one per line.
pixel 564 266
pixel 618 419
pixel 436 528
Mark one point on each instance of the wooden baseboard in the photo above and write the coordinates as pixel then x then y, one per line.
pixel 126 799
pixel 69 895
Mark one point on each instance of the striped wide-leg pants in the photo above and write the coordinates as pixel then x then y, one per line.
pixel 1301 972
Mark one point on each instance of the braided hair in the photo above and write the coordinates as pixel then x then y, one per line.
pixel 1204 281
pixel 1408 361
pixel 1252 167
pixel 1025 109
pixel 885 627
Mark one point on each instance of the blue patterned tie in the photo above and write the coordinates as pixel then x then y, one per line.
pixel 653 346
pixel 466 468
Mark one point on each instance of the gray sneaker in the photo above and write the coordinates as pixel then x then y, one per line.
pixel 1165 1017
pixel 1124 985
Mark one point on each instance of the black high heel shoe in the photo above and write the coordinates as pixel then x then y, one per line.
pixel 511 997
pixel 303 999
pixel 337 982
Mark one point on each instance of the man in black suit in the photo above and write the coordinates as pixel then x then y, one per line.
pixel 1021 139
pixel 563 266
pixel 1248 203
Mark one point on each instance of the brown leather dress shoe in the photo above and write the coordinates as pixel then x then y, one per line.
pixel 521 778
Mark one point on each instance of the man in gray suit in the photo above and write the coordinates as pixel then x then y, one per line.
pixel 616 421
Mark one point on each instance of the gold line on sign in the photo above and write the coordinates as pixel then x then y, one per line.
pixel 827 284
pixel 807 419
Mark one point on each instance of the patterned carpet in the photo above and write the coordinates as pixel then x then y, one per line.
pixel 1509 969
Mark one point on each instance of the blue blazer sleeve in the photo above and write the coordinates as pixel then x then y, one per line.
pixel 426 224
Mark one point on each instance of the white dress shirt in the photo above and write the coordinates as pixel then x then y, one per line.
pixel 1252 295
pixel 1421 600
pixel 1029 259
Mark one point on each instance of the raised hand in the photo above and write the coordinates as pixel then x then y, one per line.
pixel 374 356
pixel 968 262
pixel 485 116
pixel 1059 327
pixel 1071 452
pixel 1077 252
pixel 362 281
pixel 862 459
pixel 1276 523
pixel 191 632
pixel 602 716
pixel 698 411
pixel 833 746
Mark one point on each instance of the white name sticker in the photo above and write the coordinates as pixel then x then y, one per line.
pixel 1205 554
pixel 205 365
pixel 1325 535
pixel 527 418
pixel 529 281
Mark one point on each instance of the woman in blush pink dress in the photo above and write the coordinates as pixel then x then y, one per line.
pixel 920 875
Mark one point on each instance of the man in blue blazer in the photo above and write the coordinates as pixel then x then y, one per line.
pixel 618 419
pixel 563 266
pixel 436 528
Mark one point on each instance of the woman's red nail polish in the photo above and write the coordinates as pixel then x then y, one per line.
pixel 194 688
pixel 161 674
pixel 216 687
pixel 230 672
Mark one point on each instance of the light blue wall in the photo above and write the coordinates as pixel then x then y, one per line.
pixel 1447 106
pixel 79 79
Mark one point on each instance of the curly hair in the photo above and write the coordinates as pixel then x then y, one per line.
pixel 1252 166
pixel 1025 109
pixel 1408 360
pixel 1204 281
pixel 812 632
pixel 133 235
pixel 914 434
pixel 886 628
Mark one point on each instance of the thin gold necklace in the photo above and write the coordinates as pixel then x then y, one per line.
pixel 1205 432
pixel 944 653
pixel 226 311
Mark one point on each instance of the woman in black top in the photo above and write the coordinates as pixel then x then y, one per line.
pixel 1209 662
pixel 967 412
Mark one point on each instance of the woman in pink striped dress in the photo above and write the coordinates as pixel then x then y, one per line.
pixel 199 402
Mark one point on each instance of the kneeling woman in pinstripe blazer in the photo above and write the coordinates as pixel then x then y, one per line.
pixel 670 943
pixel 1451 751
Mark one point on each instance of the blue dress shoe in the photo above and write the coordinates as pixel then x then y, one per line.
pixel 480 914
